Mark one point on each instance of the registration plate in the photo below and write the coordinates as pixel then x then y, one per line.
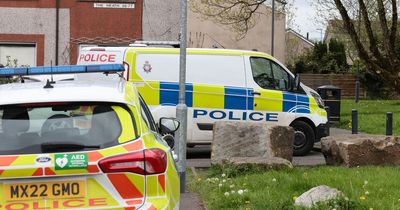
pixel 45 190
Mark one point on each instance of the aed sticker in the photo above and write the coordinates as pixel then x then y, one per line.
pixel 71 161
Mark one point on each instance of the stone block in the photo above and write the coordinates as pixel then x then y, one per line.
pixel 359 150
pixel 250 140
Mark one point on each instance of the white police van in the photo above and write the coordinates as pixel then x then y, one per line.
pixel 221 85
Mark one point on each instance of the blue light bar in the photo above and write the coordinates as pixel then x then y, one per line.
pixel 72 69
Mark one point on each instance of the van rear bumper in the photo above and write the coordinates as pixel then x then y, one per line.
pixel 321 131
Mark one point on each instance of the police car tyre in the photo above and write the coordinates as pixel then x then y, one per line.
pixel 304 138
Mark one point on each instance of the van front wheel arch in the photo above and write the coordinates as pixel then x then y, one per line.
pixel 304 138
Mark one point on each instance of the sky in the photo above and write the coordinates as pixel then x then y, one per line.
pixel 306 20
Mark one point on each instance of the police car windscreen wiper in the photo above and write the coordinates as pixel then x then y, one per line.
pixel 65 147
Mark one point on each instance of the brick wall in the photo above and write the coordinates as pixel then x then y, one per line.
pixel 347 82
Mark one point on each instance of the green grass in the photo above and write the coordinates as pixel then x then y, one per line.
pixel 371 115
pixel 364 187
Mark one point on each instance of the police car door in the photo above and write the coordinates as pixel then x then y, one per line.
pixel 268 93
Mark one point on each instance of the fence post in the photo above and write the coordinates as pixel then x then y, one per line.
pixel 389 124
pixel 354 121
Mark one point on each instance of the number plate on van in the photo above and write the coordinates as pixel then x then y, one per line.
pixel 45 190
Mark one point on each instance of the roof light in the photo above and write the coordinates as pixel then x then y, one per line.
pixel 72 69
pixel 174 44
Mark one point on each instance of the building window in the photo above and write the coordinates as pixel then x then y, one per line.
pixel 17 55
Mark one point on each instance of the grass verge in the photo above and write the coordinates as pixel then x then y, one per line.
pixel 255 188
pixel 371 115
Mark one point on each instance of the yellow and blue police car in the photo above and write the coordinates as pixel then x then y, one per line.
pixel 82 145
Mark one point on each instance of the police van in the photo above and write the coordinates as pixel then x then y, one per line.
pixel 222 85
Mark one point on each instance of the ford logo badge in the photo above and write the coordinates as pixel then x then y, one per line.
pixel 43 159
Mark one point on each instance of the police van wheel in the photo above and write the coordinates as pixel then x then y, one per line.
pixel 304 138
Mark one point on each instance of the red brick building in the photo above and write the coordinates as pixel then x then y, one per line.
pixel 44 32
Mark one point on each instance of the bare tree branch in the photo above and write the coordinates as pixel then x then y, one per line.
pixel 373 45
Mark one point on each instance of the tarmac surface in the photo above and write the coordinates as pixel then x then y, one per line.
pixel 199 157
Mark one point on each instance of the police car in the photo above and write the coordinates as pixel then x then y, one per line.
pixel 82 145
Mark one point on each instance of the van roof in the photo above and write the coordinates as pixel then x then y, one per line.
pixel 192 51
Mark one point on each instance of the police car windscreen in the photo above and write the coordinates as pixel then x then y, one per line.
pixel 62 127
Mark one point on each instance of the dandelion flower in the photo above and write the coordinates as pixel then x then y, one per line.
pixel 224 180
pixel 366 193
pixel 232 186
pixel 226 194
pixel 208 179
pixel 223 175
pixel 247 202
pixel 240 192
pixel 294 198
pixel 220 185
pixel 371 208
pixel 274 180
pixel 362 197
pixel 233 192
pixel 365 182
pixel 199 179
pixel 247 208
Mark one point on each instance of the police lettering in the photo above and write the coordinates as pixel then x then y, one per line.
pixel 236 115
pixel 103 58
pixel 56 204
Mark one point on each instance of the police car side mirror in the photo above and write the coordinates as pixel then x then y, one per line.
pixel 168 125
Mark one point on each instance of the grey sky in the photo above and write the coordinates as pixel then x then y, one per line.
pixel 306 19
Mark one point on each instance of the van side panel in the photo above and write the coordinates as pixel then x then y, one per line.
pixel 206 97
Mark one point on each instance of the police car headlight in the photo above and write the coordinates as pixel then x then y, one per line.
pixel 318 99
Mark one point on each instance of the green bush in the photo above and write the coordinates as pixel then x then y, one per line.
pixel 320 60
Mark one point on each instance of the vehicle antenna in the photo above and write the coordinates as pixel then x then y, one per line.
pixel 51 73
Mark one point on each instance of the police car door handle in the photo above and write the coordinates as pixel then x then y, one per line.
pixel 255 93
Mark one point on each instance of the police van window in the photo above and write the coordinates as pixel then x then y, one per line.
pixel 262 72
pixel 147 117
pixel 281 77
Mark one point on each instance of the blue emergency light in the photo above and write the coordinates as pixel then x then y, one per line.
pixel 72 69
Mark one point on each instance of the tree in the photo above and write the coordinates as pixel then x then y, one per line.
pixel 374 37
pixel 239 15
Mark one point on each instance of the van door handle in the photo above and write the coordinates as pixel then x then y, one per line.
pixel 255 93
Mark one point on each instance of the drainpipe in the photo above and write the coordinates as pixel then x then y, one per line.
pixel 57 28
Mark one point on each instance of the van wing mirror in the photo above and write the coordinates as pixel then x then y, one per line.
pixel 168 125
pixel 295 82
